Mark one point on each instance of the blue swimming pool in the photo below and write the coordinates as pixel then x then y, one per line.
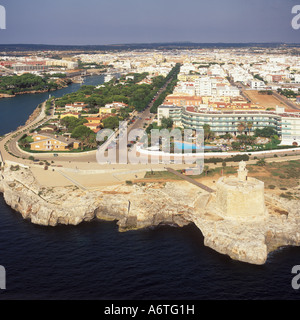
pixel 191 146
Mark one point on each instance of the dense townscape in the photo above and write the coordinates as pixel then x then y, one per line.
pixel 244 98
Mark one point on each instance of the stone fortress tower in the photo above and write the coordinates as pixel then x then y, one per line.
pixel 241 198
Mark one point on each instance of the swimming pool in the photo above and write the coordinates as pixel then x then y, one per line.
pixel 191 146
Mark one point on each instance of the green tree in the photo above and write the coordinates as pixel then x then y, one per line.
pixel 249 126
pixel 241 127
pixel 111 122
pixel 266 132
pixel 71 122
pixel 166 123
pixel 82 132
pixel 208 134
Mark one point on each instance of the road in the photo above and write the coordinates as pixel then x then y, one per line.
pixel 286 101
pixel 11 139
pixel 142 116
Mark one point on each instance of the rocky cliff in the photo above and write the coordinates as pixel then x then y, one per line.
pixel 139 206
pixel 134 207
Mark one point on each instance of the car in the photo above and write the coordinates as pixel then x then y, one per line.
pixel 55 155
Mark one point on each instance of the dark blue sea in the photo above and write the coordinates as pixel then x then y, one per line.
pixel 94 261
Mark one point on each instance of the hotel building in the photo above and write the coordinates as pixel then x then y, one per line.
pixel 287 125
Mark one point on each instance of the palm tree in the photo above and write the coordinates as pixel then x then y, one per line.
pixel 90 142
pixel 241 127
pixel 249 126
pixel 207 132
pixel 206 169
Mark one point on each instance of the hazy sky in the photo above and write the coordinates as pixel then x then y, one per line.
pixel 142 21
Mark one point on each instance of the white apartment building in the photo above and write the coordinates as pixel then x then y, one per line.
pixel 227 91
pixel 205 86
pixel 217 71
pixel 290 129
pixel 297 78
pixel 187 87
pixel 187 67
pixel 287 125
pixel 256 84
pixel 63 63
pixel 75 107
pixel 173 112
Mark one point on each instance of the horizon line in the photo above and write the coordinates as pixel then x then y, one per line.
pixel 151 43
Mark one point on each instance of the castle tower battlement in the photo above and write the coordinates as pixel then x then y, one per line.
pixel 241 197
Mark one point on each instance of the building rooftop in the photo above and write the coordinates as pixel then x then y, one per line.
pixel 194 110
pixel 169 107
pixel 65 140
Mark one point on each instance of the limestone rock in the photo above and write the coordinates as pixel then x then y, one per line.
pixel 140 206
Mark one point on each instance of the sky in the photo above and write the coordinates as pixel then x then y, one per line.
pixel 99 22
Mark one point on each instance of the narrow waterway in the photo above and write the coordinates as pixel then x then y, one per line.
pixel 14 112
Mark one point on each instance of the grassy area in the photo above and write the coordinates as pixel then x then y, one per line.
pixel 277 175
pixel 282 174
pixel 161 175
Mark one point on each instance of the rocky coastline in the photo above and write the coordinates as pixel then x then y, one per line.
pixel 146 205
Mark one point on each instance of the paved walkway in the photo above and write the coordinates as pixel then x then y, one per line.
pixel 188 179
pixel 76 183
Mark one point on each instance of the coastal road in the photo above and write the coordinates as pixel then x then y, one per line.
pixel 11 139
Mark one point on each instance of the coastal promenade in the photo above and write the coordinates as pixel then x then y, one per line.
pixel 190 180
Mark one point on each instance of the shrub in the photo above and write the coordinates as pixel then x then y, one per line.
pixel 261 162
pixel 287 196
pixel 15 168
